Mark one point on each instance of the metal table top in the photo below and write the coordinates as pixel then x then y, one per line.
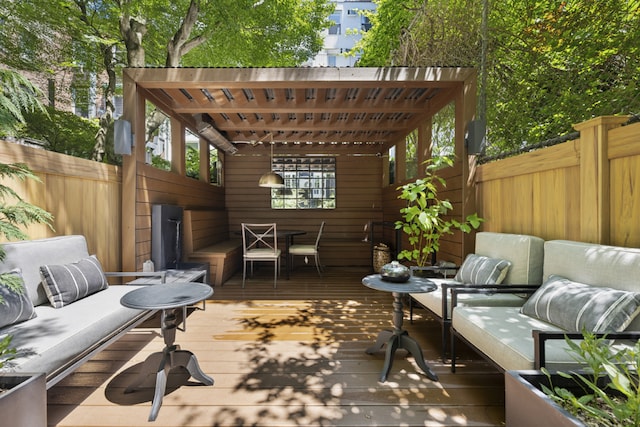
pixel 166 296
pixel 414 285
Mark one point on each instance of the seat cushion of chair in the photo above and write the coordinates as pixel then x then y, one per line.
pixel 302 249
pixel 262 253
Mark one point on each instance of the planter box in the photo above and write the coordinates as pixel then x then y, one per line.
pixel 24 404
pixel 527 406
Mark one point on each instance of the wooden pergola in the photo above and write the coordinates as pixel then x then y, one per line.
pixel 329 109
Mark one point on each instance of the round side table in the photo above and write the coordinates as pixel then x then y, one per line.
pixel 167 297
pixel 397 337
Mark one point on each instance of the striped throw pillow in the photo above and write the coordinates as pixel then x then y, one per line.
pixel 15 305
pixel 575 306
pixel 67 283
pixel 482 270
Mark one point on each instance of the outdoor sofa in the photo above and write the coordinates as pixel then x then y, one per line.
pixel 501 265
pixel 88 316
pixel 585 287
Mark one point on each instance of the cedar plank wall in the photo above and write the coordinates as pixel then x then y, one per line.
pixel 535 193
pixel 358 194
pixel 624 185
pixel 160 187
pixel 543 193
pixel 83 196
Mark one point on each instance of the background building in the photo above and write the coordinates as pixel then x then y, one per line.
pixel 340 38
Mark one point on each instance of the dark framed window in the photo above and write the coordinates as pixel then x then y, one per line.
pixel 310 183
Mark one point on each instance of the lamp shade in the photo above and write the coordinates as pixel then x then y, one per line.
pixel 272 180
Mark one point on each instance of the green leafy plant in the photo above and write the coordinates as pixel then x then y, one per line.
pixel 424 215
pixel 617 402
pixel 15 213
pixel 6 351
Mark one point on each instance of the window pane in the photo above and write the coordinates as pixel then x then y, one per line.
pixel 158 151
pixel 192 155
pixel 411 163
pixel 444 132
pixel 309 183
pixel 215 166
pixel 392 165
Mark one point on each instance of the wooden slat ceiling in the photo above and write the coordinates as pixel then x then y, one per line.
pixel 303 106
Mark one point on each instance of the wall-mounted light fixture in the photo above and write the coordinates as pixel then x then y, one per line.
pixel 476 137
pixel 271 179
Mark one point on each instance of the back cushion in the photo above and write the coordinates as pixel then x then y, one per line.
pixel 597 265
pixel 600 265
pixel 29 255
pixel 524 252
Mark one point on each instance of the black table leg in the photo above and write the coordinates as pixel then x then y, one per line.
pixel 399 338
pixel 161 363
pixel 288 241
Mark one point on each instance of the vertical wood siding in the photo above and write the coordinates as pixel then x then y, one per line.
pixel 83 196
pixel 536 193
pixel 358 201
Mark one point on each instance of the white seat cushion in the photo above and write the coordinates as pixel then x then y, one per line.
pixel 433 300
pixel 505 335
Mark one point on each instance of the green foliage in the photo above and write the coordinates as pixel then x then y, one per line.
pixel 555 64
pixel 17 214
pixel 192 160
pixel 160 163
pixel 424 216
pixel 226 32
pixel 21 213
pixel 6 351
pixel 598 405
pixel 63 132
pixel 550 64
pixel 17 95
pixel 383 39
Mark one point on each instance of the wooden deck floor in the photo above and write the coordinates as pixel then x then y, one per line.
pixel 293 356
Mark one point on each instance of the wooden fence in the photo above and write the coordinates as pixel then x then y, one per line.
pixel 587 190
pixel 83 196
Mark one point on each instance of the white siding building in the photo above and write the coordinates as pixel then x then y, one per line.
pixel 340 38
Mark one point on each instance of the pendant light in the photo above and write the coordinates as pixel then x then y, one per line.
pixel 271 179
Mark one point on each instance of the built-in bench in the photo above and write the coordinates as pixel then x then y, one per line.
pixel 338 251
pixel 206 239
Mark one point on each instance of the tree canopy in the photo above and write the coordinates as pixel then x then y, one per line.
pixel 102 36
pixel 549 64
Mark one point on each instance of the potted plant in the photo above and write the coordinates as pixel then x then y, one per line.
pixel 424 216
pixel 606 393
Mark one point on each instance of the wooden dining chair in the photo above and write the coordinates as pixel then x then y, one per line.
pixel 260 243
pixel 309 250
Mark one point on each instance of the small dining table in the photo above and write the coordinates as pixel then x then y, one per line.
pixel 288 235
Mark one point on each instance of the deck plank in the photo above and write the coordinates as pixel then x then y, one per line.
pixel 289 356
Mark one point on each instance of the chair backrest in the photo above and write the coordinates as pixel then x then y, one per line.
pixel 259 235
pixel 319 234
